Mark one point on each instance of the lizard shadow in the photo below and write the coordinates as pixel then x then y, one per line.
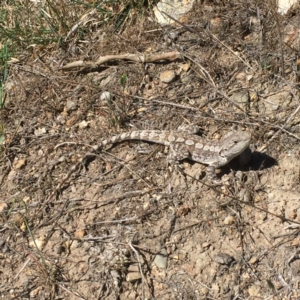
pixel 262 161
pixel 258 162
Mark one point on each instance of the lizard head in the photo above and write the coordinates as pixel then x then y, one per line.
pixel 234 143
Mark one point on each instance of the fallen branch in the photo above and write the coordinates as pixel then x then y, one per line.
pixel 143 58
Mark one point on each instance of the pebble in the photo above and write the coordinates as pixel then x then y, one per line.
pixel 20 163
pixel 296 241
pixel 26 199
pixel 229 220
pixel 133 276
pixel 38 242
pixel 115 274
pixel 105 96
pixel 61 119
pixel 205 245
pixel 70 106
pixel 80 233
pixel 167 76
pixel 253 260
pixel 177 9
pixel 216 24
pixel 3 206
pixel 161 260
pixel 184 67
pixel 133 268
pixel 223 259
pixel 83 124
pixel 254 291
pixel 40 131
pixel 241 97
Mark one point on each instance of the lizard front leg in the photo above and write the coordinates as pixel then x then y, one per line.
pixel 180 151
pixel 211 173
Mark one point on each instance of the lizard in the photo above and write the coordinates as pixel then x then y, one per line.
pixel 184 145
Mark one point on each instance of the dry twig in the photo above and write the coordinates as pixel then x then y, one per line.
pixel 143 58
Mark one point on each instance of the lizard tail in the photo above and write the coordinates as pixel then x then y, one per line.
pixel 154 136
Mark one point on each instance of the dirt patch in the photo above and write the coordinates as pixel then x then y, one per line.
pixel 124 224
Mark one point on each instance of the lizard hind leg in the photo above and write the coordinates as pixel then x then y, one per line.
pixel 178 152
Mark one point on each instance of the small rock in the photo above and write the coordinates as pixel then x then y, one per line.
pixel 293 214
pixel 146 205
pixel 26 199
pixel 74 245
pixel 187 78
pixel 83 124
pixel 254 291
pixel 241 97
pixel 167 76
pixel 80 233
pixel 184 67
pixel 285 5
pixel 177 9
pixel 70 106
pixel 281 100
pixel 204 290
pixel 241 76
pixel 249 77
pixel 3 206
pixel 62 159
pixel 161 259
pixel 20 163
pixel 257 199
pixel 18 219
pixel 38 242
pixel 215 288
pixel 116 277
pixel 115 274
pixel 34 293
pixel 223 259
pixel 229 220
pixel 246 276
pixel 253 260
pixel 70 122
pixel 133 268
pixel 60 119
pixel 296 241
pixel 105 96
pixel 40 131
pixel 133 276
pixel 216 24
pixel 23 227
pixel 205 245
pixel 129 295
